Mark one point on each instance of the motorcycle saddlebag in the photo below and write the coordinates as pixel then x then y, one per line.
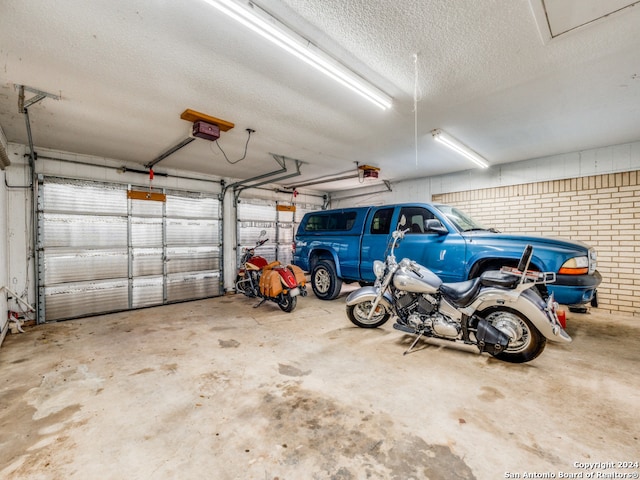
pixel 490 339
pixel 270 284
pixel 301 279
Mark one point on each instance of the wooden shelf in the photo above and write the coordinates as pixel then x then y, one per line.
pixel 193 116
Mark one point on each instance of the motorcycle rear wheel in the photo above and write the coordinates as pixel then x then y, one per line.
pixel 287 303
pixel 358 315
pixel 526 341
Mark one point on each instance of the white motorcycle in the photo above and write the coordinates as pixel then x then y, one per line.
pixel 500 312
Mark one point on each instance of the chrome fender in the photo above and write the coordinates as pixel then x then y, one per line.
pixel 529 303
pixel 365 294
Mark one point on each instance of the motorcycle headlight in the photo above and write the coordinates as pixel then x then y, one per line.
pixel 378 268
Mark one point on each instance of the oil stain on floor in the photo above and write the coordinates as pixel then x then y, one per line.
pixel 352 444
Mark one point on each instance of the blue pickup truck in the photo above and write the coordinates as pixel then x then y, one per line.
pixel 341 245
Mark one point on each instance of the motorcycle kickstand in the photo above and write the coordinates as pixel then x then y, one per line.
pixel 414 343
pixel 260 303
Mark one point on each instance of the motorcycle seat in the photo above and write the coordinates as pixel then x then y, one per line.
pixel 495 278
pixel 461 293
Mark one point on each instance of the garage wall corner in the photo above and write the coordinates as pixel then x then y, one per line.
pixel 4 323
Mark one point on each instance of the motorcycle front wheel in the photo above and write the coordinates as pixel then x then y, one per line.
pixel 359 312
pixel 287 303
pixel 525 343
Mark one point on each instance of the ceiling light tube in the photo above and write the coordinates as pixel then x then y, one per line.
pixel 459 147
pixel 258 20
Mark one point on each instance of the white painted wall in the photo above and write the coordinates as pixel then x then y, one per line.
pixel 418 190
pixel 20 265
pixel 3 256
pixel 19 228
pixel 612 159
pixel 598 161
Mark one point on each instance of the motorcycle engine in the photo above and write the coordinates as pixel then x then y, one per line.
pixel 421 312
pixel 445 327
pixel 420 303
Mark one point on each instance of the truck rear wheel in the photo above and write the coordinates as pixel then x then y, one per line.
pixel 324 280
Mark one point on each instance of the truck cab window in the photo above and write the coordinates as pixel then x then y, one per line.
pixel 417 218
pixel 327 222
pixel 381 223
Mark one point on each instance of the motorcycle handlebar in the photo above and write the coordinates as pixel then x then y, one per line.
pixel 399 234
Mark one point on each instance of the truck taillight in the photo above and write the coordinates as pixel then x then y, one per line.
pixel 293 247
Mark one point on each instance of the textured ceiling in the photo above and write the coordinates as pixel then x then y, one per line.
pixel 127 69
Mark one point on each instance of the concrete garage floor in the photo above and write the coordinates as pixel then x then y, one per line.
pixel 217 389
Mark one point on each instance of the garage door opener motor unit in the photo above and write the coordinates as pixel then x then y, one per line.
pixel 208 131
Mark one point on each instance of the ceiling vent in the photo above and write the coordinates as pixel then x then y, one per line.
pixel 557 17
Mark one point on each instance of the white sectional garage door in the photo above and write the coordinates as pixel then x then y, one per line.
pixel 101 250
pixel 253 216
pixel 278 219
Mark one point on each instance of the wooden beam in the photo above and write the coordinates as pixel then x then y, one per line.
pixel 193 116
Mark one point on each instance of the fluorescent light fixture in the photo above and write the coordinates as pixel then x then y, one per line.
pixel 458 146
pixel 261 22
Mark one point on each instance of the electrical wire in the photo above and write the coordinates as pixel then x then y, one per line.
pixel 246 145
pixel 15 186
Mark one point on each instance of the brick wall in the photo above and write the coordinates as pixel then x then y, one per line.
pixel 600 210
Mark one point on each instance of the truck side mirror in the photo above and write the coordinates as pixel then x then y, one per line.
pixel 434 226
